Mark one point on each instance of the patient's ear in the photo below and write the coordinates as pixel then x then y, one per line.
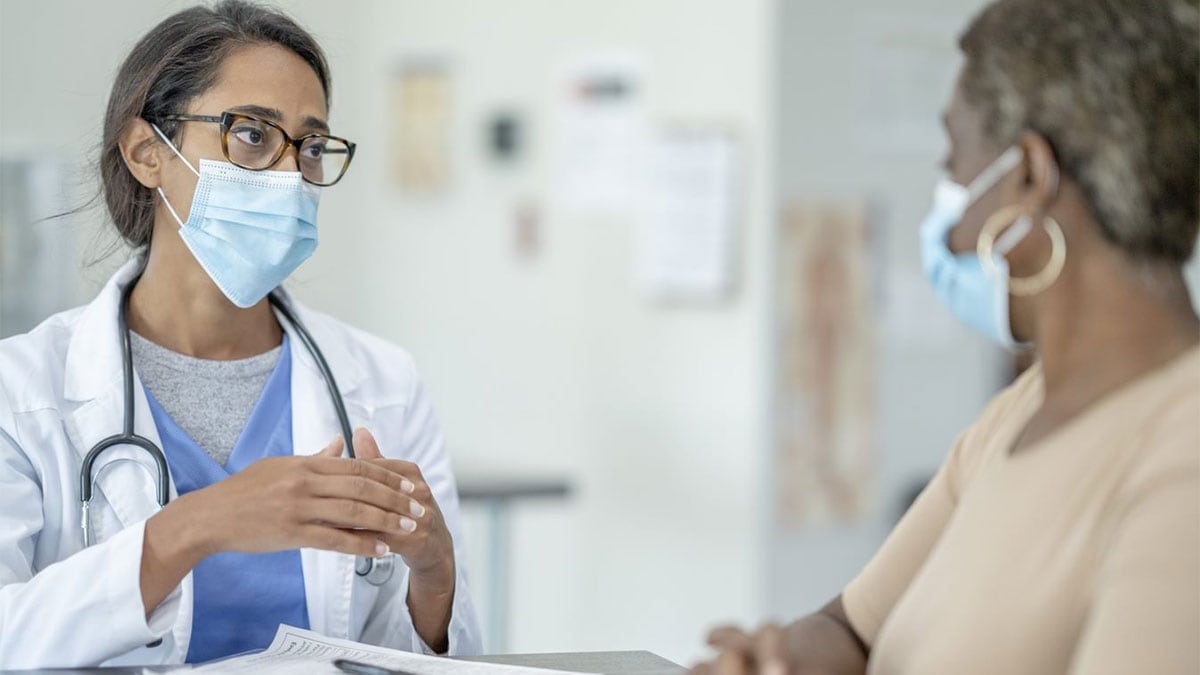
pixel 141 149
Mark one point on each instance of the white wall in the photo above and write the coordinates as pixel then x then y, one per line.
pixel 555 365
pixel 934 375
pixel 558 365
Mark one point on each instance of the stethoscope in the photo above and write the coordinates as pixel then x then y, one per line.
pixel 377 571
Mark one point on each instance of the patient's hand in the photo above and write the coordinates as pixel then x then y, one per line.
pixel 822 643
pixel 741 653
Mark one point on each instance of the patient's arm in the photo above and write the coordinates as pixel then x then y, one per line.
pixel 821 643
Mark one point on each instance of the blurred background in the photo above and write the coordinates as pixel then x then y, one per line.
pixel 656 260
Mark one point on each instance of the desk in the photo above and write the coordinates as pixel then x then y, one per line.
pixel 607 663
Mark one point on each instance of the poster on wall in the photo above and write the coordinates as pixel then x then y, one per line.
pixel 826 382
pixel 685 239
pixel 603 134
pixel 421 125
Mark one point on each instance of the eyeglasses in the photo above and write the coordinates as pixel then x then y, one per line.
pixel 257 144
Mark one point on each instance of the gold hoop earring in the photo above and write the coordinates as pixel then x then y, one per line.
pixel 1036 283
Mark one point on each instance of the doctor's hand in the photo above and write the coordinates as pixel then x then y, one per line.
pixel 322 501
pixel 425 545
pixel 424 541
pixel 276 504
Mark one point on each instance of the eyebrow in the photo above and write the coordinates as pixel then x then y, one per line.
pixel 273 114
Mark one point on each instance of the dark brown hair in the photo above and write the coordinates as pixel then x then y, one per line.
pixel 1114 86
pixel 174 63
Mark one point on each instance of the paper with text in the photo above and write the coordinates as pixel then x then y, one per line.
pixel 295 650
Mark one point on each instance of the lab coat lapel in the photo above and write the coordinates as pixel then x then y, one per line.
pixel 328 576
pixel 125 476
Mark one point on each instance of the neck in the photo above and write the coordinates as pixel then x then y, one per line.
pixel 176 305
pixel 1110 322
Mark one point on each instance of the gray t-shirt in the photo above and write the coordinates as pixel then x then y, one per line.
pixel 210 400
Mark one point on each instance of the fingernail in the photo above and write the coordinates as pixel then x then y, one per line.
pixel 774 667
pixel 406 486
pixel 407 524
pixel 416 509
pixel 381 549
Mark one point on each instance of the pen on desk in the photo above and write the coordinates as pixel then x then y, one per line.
pixel 360 668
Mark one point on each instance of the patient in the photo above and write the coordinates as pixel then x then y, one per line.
pixel 1062 533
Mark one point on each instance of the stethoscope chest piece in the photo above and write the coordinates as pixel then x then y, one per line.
pixel 377 571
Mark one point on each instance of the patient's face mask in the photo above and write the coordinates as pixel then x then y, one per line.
pixel 977 295
pixel 249 230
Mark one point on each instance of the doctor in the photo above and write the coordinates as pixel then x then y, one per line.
pixel 215 150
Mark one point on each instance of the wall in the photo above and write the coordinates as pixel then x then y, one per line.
pixel 557 365
pixel 848 73
pixel 554 365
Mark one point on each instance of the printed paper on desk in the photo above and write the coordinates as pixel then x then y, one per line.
pixel 296 650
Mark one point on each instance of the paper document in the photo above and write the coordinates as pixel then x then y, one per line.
pixel 685 241
pixel 296 650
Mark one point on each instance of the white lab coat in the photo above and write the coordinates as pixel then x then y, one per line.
pixel 61 392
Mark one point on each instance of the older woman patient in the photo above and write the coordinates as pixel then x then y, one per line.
pixel 1062 534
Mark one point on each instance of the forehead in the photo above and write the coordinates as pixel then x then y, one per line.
pixel 960 116
pixel 267 76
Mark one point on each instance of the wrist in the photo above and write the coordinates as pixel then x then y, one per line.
pixel 437 580
pixel 180 535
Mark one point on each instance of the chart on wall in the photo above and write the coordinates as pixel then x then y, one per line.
pixel 421 125
pixel 826 418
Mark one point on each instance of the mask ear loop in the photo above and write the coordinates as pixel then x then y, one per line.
pixel 175 150
pixel 989 245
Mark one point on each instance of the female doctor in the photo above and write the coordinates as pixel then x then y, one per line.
pixel 216 147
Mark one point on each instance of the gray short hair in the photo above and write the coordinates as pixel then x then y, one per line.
pixel 1114 86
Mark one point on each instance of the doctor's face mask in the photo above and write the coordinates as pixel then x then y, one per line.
pixel 249 230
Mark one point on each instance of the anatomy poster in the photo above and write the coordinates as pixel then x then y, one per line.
pixel 826 383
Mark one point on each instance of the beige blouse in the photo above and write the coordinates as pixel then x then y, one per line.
pixel 1080 554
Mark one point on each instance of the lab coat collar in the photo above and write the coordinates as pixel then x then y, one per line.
pixel 93 361
pixel 333 341
pixel 94 380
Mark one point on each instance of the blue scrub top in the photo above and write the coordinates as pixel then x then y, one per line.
pixel 239 599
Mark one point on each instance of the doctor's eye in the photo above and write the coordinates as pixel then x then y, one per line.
pixel 314 150
pixel 249 134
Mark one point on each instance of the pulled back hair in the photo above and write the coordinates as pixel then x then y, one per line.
pixel 1114 86
pixel 175 62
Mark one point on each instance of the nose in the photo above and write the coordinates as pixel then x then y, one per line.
pixel 290 161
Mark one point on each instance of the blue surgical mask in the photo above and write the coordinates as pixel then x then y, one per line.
pixel 977 297
pixel 249 230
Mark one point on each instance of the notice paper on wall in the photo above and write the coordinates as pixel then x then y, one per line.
pixel 602 134
pixel 685 239
pixel 295 650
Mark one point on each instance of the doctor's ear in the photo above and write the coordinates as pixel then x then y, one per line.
pixel 1041 172
pixel 141 149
